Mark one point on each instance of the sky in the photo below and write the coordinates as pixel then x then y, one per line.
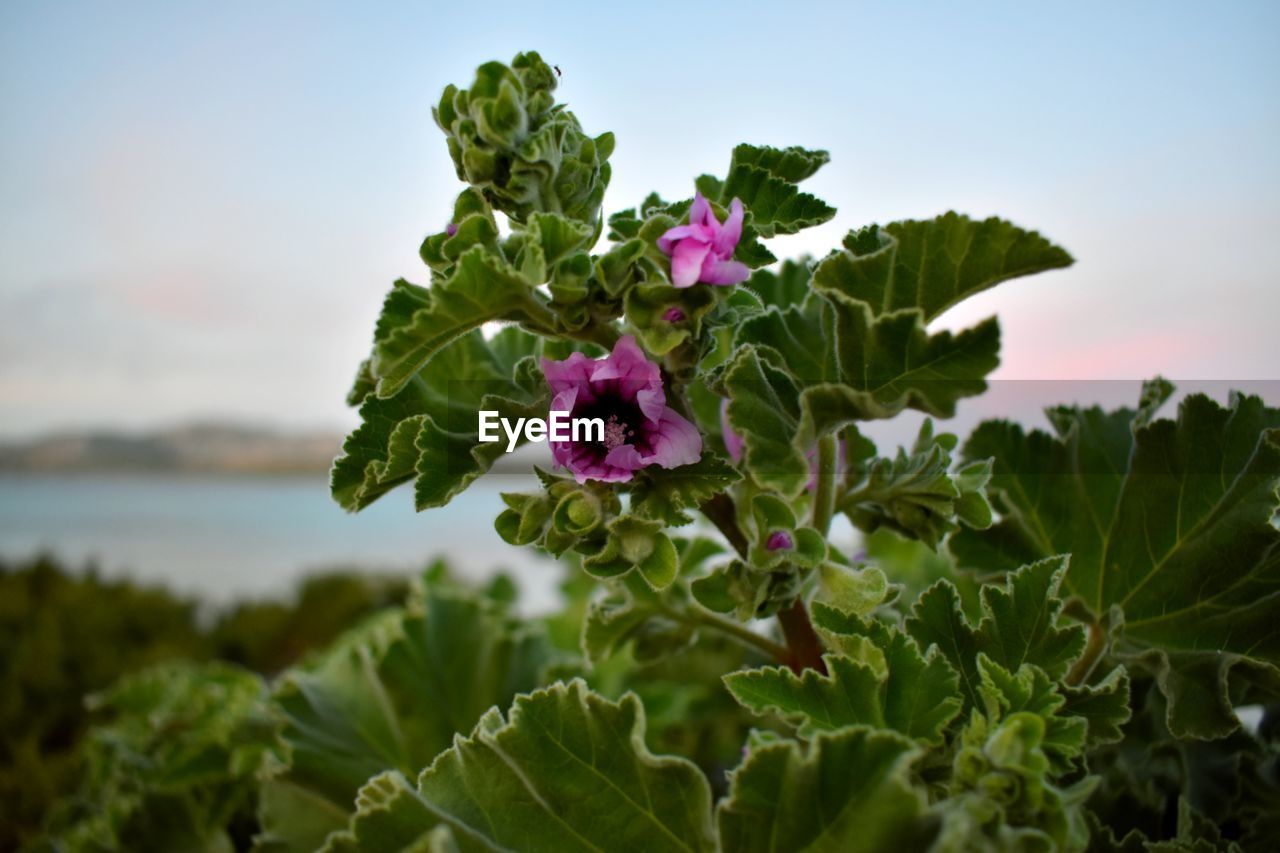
pixel 202 205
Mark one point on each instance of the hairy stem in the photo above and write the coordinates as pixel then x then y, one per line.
pixel 824 496
pixel 803 646
pixel 1093 651
pixel 803 649
pixel 720 511
pixel 742 633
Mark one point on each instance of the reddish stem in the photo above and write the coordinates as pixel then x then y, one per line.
pixel 802 640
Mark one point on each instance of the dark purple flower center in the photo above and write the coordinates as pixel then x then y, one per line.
pixel 623 424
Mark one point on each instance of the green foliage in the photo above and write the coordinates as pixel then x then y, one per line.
pixel 1044 646
pixel 919 494
pixel 765 179
pixel 64 638
pixel 933 264
pixel 391 698
pixel 67 637
pixel 1169 523
pixel 849 790
pixel 175 767
pixel 1020 625
pixel 568 769
pixel 510 140
pixel 428 432
pixel 897 689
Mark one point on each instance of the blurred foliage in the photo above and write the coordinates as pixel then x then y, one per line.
pixel 65 636
pixel 175 764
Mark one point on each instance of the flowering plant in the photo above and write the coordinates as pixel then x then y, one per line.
pixel 1042 642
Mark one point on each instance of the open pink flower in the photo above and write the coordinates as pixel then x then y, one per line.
pixel 624 389
pixel 703 249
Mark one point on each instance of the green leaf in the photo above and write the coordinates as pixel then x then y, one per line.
pixel 1019 625
pixel 764 410
pixel 1104 706
pixel 800 334
pixel 429 431
pixel 933 264
pixel 481 288
pixel 1170 526
pixel 1003 792
pixel 784 393
pixel 748 592
pixel 441 251
pixel 634 542
pixel 918 495
pixel 567 770
pixel 647 307
pixel 857 590
pixel 173 765
pixel 389 815
pixel 374 705
pixel 549 239
pixel 784 288
pixel 847 791
pixel 1030 690
pixel 634 613
pixel 664 494
pixel 791 164
pixel 914 694
pixel 765 178
pixel 893 363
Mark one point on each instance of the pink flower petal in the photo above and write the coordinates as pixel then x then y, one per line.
pixel 722 272
pixel 675 442
pixel 602 471
pixel 625 456
pixel 572 372
pixel 630 368
pixel 686 262
pixel 673 235
pixel 652 401
pixel 728 235
pixel 700 211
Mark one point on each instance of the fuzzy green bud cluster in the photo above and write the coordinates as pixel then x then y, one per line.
pixel 509 139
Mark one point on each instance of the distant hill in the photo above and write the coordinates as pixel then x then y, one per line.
pixel 206 447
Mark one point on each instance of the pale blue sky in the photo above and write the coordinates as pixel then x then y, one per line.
pixel 202 205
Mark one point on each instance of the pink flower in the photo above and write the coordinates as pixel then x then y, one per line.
pixel 703 249
pixel 624 389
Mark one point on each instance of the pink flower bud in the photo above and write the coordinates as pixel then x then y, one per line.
pixel 779 540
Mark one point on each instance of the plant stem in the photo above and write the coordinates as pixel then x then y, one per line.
pixel 803 649
pixel 742 633
pixel 720 511
pixel 824 496
pixel 1093 651
pixel 803 646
